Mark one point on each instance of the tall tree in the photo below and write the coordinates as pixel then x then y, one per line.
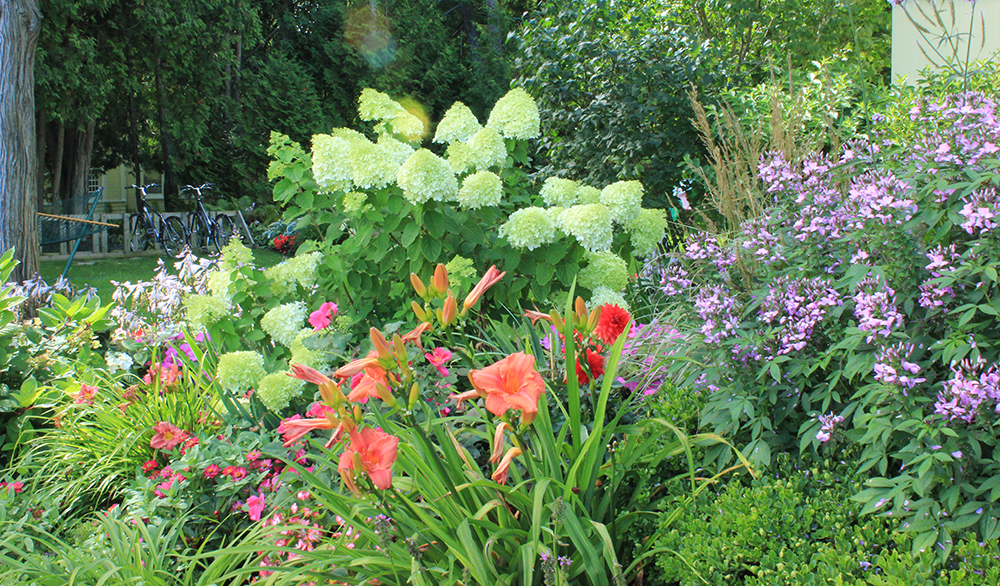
pixel 19 26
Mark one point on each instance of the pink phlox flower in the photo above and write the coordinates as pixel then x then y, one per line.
pixel 438 357
pixel 322 317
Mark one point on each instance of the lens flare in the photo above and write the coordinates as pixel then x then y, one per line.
pixel 367 29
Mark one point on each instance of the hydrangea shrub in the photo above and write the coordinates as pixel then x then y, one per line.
pixel 388 208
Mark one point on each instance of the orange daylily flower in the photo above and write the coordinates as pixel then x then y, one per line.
pixel 327 387
pixel 365 385
pixel 491 278
pixel 534 316
pixel 415 333
pixel 352 368
pixel 374 452
pixel 498 443
pixel 511 383
pixel 503 470
pixel 296 429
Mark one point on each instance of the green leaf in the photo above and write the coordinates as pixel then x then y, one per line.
pixel 410 234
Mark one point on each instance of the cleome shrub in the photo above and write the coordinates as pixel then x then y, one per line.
pixel 860 310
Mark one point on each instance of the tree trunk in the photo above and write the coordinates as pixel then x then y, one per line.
pixel 57 162
pixel 81 165
pixel 19 26
pixel 41 124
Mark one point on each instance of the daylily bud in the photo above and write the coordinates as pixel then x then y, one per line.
pixel 357 413
pixel 414 396
pixel 381 344
pixel 504 468
pixel 489 279
pixel 498 443
pixel 401 357
pixel 418 285
pixel 385 395
pixel 347 477
pixel 450 311
pixel 440 282
pixel 581 312
pixel 527 418
pixel 557 320
pixel 595 316
pixel 420 312
pixel 357 462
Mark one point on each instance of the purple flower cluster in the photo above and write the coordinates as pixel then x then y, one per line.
pixel 979 212
pixel 875 308
pixel 828 424
pixel 956 133
pixel 670 278
pixel 761 241
pixel 703 246
pixel 892 368
pixel 972 388
pixel 719 311
pixel 797 306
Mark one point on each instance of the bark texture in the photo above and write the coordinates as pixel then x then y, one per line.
pixel 19 25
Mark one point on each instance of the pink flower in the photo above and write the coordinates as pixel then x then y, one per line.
pixel 438 357
pixel 212 471
pixel 255 504
pixel 86 395
pixel 321 318
pixel 166 436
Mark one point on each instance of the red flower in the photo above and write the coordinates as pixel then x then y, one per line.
pixel 611 324
pixel 211 471
pixel 596 363
pixel 167 436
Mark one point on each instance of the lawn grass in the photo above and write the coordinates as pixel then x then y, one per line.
pixel 99 272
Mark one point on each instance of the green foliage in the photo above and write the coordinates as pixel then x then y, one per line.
pixel 612 89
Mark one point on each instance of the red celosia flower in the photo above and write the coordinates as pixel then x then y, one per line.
pixel 611 324
pixel 166 436
pixel 511 383
pixel 376 451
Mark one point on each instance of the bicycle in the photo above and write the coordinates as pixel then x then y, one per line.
pixel 203 229
pixel 147 226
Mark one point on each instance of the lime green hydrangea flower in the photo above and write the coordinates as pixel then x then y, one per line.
pixel 529 228
pixel 588 194
pixel 348 134
pixel 425 176
pixel 277 390
pixel 488 148
pixel 375 106
pixel 302 355
pixel 605 269
pixel 300 269
pixel 397 150
pixel 461 268
pixel 240 371
pixel 624 199
pixel 203 310
pixel 605 295
pixel 331 162
pixel 461 157
pixel 219 283
pixel 283 322
pixel 647 230
pixel 353 200
pixel 481 189
pixel 405 124
pixel 515 115
pixel 235 255
pixel 372 165
pixel 557 191
pixel 590 224
pixel 343 323
pixel 458 125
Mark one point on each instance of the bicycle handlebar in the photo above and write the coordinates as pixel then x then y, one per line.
pixel 142 188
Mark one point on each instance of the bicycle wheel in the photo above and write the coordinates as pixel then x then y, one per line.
pixel 138 233
pixel 174 236
pixel 198 233
pixel 223 231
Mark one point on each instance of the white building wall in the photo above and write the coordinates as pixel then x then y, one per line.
pixel 908 58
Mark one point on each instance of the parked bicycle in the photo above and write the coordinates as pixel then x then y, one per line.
pixel 204 230
pixel 147 226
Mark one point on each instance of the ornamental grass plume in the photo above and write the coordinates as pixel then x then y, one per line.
pixel 529 228
pixel 458 125
pixel 425 176
pixel 512 383
pixel 373 452
pixel 515 115
pixel 481 189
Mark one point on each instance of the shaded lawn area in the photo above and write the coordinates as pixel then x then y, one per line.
pixel 99 272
